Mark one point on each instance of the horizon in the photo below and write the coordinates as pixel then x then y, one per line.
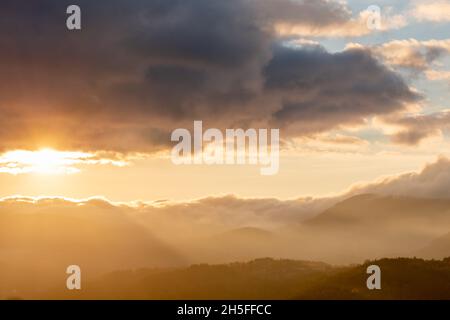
pixel 183 136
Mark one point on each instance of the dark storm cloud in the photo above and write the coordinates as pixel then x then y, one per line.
pixel 321 90
pixel 223 34
pixel 314 13
pixel 139 69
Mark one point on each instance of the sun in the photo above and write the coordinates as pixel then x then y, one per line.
pixel 43 161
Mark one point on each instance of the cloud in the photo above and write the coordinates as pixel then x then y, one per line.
pixel 215 214
pixel 410 53
pixel 321 90
pixel 224 213
pixel 437 75
pixel 435 11
pixel 138 70
pixel 344 24
pixel 345 140
pixel 433 181
pixel 421 58
pixel 44 235
pixel 413 129
pixel 47 161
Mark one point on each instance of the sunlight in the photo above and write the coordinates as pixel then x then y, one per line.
pixel 44 161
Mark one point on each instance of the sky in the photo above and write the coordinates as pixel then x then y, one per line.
pixel 87 113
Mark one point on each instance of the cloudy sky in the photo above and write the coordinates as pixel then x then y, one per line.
pixel 90 112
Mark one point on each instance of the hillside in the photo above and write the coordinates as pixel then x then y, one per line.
pixel 258 279
pixel 372 226
pixel 401 278
pixel 36 247
pixel 378 211
pixel 38 242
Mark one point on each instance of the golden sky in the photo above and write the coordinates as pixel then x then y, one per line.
pixel 90 112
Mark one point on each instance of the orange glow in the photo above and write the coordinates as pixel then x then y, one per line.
pixel 44 161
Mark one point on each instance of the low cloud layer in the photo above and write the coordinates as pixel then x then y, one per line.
pixel 223 213
pixel 42 236
pixel 433 181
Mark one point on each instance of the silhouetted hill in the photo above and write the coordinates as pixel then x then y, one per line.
pixel 401 278
pixel 39 240
pixel 258 279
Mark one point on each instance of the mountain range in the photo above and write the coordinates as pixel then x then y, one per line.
pixel 37 243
